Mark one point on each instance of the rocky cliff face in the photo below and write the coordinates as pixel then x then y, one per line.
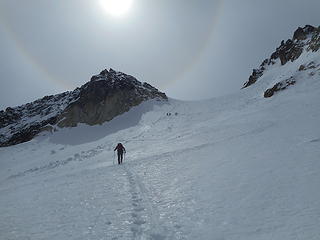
pixel 106 96
pixel 306 39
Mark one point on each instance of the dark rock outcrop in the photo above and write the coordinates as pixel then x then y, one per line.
pixel 107 95
pixel 310 65
pixel 104 97
pixel 278 87
pixel 302 33
pixel 288 51
pixel 306 38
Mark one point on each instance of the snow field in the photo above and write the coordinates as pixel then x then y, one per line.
pixel 236 167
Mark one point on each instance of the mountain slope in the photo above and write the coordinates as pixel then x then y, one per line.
pixel 106 96
pixel 236 167
pixel 294 60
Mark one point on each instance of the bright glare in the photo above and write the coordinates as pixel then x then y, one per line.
pixel 116 7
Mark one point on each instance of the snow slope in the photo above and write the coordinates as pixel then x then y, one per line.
pixel 236 167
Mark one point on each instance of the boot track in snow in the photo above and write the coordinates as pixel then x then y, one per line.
pixel 146 219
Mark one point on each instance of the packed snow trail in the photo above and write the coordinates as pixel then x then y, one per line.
pixel 236 167
pixel 141 204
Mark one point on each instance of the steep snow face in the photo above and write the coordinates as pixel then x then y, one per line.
pixel 294 60
pixel 236 167
pixel 304 70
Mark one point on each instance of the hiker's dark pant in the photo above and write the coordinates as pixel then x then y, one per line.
pixel 120 157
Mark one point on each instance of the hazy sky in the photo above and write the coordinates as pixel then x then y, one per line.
pixel 190 49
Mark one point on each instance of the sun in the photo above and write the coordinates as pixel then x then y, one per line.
pixel 116 7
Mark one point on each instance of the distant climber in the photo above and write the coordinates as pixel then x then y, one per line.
pixel 120 150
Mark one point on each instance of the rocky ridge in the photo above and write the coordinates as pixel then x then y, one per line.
pixel 104 97
pixel 306 39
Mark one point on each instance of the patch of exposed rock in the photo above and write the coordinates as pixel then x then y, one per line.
pixel 278 87
pixel 106 96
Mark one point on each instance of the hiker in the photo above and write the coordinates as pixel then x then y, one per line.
pixel 120 149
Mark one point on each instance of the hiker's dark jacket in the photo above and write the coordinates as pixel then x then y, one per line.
pixel 120 148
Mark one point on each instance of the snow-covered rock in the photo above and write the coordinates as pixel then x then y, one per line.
pixel 106 96
pixel 302 49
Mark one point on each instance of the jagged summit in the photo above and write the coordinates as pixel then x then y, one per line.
pixel 306 39
pixel 107 95
pixel 302 33
pixel 104 97
pixel 112 80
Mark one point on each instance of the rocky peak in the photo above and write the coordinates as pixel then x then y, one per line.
pixel 105 96
pixel 302 33
pixel 306 38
